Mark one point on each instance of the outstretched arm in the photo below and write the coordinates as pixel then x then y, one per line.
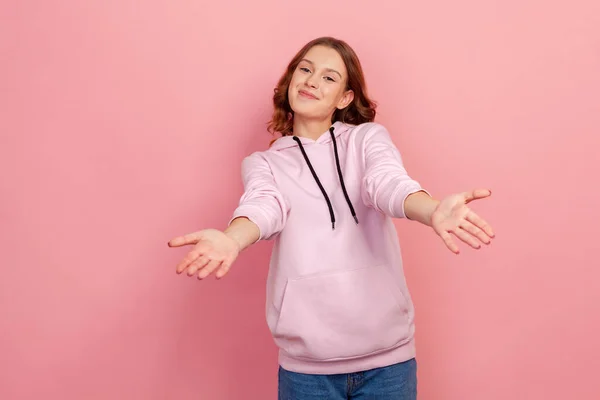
pixel 261 214
pixel 388 188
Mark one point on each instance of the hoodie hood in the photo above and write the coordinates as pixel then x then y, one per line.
pixel 285 142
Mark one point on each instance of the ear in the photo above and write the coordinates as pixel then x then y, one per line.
pixel 346 100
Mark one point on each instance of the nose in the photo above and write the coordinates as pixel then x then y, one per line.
pixel 311 81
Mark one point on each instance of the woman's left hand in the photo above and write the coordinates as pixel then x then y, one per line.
pixel 453 216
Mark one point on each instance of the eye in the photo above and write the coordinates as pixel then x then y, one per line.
pixel 304 69
pixel 330 79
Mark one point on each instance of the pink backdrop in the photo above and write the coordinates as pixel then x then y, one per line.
pixel 123 124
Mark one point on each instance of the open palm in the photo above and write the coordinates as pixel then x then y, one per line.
pixel 212 251
pixel 452 216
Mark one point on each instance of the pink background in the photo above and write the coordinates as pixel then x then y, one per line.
pixel 123 124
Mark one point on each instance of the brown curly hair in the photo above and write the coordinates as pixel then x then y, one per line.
pixel 362 108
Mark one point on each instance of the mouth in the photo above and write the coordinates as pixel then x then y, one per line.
pixel 307 95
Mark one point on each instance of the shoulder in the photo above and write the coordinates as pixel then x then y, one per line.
pixel 256 156
pixel 256 162
pixel 369 130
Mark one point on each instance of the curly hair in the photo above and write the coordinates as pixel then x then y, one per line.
pixel 360 110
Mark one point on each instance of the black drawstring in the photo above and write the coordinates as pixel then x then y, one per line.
pixel 339 170
pixel 314 174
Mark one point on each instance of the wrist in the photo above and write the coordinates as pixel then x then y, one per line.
pixel 230 234
pixel 242 232
pixel 431 211
pixel 420 206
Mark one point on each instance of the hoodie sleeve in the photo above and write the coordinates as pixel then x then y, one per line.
pixel 261 202
pixel 386 184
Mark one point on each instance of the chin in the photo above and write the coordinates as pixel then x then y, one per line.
pixel 303 110
pixel 308 114
pixel 306 110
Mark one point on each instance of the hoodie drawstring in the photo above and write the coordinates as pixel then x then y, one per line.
pixel 339 170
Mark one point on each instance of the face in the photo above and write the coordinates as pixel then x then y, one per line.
pixel 318 85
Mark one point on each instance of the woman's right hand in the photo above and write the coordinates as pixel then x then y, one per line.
pixel 213 251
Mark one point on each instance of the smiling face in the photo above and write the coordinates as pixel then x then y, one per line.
pixel 319 85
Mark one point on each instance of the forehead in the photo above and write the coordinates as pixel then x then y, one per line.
pixel 326 57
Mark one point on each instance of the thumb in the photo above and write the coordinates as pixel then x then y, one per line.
pixel 190 238
pixel 477 194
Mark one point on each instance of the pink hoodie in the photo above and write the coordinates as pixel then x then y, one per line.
pixel 337 300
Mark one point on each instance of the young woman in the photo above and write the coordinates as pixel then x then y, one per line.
pixel 326 191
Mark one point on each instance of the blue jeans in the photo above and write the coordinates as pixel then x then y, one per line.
pixel 395 382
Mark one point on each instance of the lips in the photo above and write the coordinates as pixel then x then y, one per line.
pixel 306 94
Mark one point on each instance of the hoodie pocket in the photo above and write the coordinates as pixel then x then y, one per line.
pixel 342 315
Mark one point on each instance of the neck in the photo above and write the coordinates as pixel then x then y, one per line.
pixel 310 128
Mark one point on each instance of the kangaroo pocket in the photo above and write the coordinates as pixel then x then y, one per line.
pixel 342 315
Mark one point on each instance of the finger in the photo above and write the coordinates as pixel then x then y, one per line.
pixel 190 238
pixel 197 265
pixel 224 269
pixel 209 268
pixel 467 238
pixel 475 231
pixel 480 223
pixel 449 242
pixel 187 260
pixel 477 194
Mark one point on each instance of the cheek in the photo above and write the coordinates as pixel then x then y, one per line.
pixel 331 94
pixel 296 78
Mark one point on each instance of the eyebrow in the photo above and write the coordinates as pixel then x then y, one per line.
pixel 326 69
